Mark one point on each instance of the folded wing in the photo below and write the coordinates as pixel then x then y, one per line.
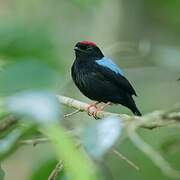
pixel 113 73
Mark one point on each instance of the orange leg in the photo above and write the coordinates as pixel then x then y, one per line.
pixel 100 109
pixel 94 104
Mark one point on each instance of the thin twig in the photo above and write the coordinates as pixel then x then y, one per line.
pixel 122 157
pixel 45 140
pixel 73 113
pixel 33 142
pixel 39 140
pixel 58 168
pixel 7 122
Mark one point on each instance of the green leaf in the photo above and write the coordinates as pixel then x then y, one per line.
pixel 78 166
pixel 2 173
pixel 87 3
pixel 8 143
pixel 20 40
pixel 29 75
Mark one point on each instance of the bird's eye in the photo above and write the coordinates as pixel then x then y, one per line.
pixel 89 48
pixel 84 47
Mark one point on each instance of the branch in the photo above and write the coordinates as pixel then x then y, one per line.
pixel 154 155
pixel 37 141
pixel 33 142
pixel 151 120
pixel 58 168
pixel 158 118
pixel 124 158
pixel 7 122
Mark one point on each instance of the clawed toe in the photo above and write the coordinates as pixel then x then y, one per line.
pixel 94 114
pixel 89 113
pixel 94 106
pixel 93 109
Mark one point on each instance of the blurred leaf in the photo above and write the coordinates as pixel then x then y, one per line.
pixel 86 3
pixel 78 166
pixel 165 11
pixel 25 41
pixel 7 144
pixel 2 173
pixel 27 75
pixel 40 106
pixel 44 170
pixel 99 138
pixel 44 108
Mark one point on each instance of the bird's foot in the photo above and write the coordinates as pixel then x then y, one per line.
pixel 92 107
pixel 95 112
pixel 99 109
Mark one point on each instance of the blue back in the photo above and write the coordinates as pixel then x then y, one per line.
pixel 108 63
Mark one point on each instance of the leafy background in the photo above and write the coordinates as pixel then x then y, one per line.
pixel 36 52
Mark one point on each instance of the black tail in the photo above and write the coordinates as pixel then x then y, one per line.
pixel 132 105
pixel 136 112
pixel 128 101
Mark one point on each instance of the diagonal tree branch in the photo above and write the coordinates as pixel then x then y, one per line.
pixel 7 122
pixel 151 120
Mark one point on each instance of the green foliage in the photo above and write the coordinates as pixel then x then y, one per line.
pixel 36 52
pixel 9 142
pixel 44 170
pixel 79 167
pixel 27 75
pixel 28 59
pixel 2 174
pixel 86 3
pixel 44 110
pixel 166 11
pixel 19 41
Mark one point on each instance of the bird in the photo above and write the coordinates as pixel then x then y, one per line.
pixel 100 79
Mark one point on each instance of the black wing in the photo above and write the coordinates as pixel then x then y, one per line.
pixel 116 78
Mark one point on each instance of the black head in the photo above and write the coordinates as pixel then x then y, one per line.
pixel 87 50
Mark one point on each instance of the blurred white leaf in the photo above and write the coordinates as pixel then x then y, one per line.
pixel 7 143
pixel 40 106
pixel 99 138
